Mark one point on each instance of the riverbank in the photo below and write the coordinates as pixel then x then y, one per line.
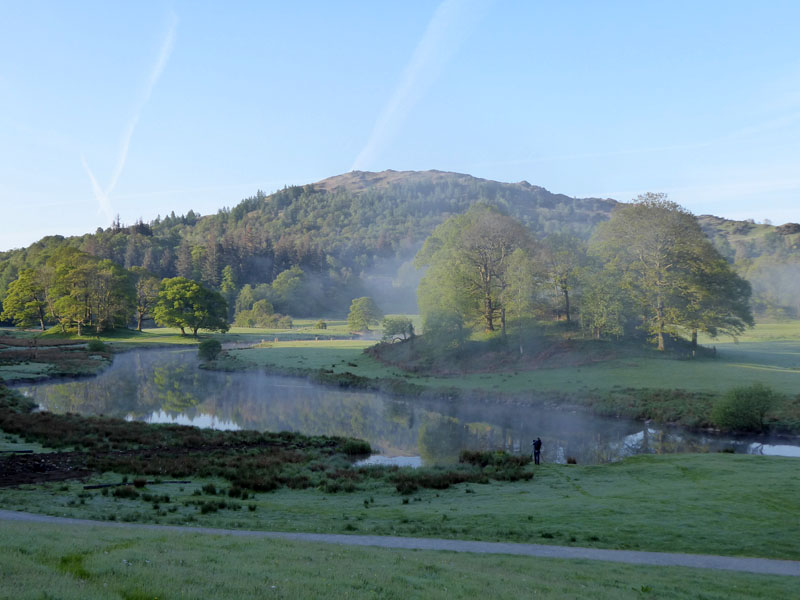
pixel 667 391
pixel 738 505
pixel 34 356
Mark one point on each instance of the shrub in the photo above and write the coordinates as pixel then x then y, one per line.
pixel 126 491
pixel 355 447
pixel 96 346
pixel 743 408
pixel 320 324
pixel 209 349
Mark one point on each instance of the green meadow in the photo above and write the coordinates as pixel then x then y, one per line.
pixel 67 562
pixel 737 505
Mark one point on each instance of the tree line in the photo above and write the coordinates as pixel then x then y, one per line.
pixel 327 242
pixel 75 290
pixel 648 270
pixel 311 249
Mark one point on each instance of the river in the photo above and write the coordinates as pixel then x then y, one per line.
pixel 166 386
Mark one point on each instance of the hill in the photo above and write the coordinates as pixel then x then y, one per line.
pixel 356 233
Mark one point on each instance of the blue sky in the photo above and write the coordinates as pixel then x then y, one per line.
pixel 138 109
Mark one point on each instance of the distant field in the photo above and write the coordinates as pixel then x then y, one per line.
pixel 47 561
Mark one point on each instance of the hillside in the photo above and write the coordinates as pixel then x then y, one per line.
pixel 355 233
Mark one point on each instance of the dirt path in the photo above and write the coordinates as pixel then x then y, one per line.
pixel 763 566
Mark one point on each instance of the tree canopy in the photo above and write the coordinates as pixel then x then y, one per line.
pixel 671 273
pixel 363 313
pixel 184 303
pixel 468 259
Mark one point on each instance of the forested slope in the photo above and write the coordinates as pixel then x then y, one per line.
pixel 354 234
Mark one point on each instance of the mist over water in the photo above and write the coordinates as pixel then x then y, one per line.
pixel 166 386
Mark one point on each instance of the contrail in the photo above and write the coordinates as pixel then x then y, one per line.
pixel 450 25
pixel 103 196
pixel 158 68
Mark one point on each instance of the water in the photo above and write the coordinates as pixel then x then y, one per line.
pixel 166 386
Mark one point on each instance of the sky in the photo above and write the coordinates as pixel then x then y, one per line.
pixel 138 109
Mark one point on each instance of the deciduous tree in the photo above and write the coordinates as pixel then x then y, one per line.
pixel 363 313
pixel 184 303
pixel 26 301
pixel 468 259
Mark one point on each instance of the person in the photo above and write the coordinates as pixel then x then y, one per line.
pixel 537 450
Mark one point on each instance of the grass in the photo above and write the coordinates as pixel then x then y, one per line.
pixel 761 357
pixel 727 504
pixel 48 561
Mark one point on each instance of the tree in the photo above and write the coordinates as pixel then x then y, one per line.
pixel 261 315
pixel 228 289
pixel 468 258
pixel 665 265
pixel 396 329
pixel 146 287
pixel 603 304
pixel 562 257
pixel 363 312
pixel 26 301
pixel 718 299
pixel 74 278
pixel 111 295
pixel 287 289
pixel 444 331
pixel 185 303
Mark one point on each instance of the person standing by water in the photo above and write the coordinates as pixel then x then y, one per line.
pixel 537 450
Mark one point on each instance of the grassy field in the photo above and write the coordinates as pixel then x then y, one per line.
pixel 46 561
pixel 726 504
pixel 770 354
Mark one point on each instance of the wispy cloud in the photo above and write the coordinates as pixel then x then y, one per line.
pixel 103 195
pixel 450 25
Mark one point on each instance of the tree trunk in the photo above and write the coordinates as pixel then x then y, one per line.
pixel 139 322
pixel 503 320
pixel 488 313
pixel 566 302
pixel 183 331
pixel 660 315
pixel 194 331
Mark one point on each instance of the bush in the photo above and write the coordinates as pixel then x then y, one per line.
pixel 96 346
pixel 126 492
pixel 320 324
pixel 355 447
pixel 744 408
pixel 209 349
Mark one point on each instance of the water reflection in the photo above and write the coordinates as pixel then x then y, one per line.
pixel 166 386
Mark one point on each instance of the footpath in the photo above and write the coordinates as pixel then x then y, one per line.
pixel 764 566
